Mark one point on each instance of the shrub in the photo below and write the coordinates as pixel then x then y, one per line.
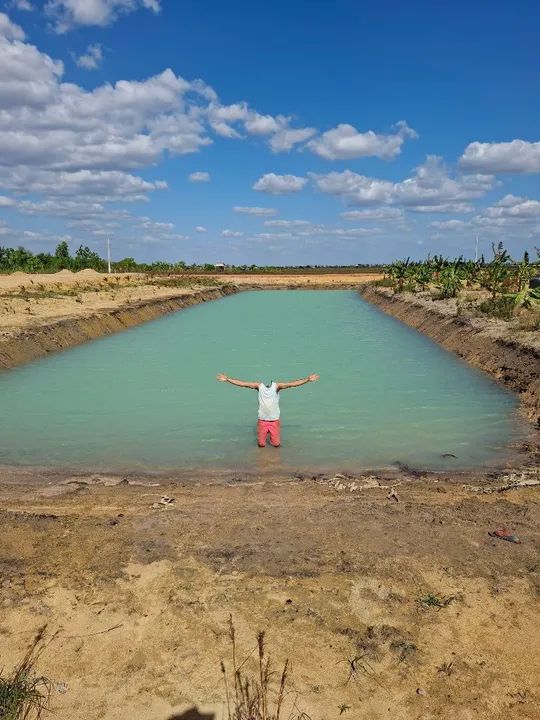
pixel 502 307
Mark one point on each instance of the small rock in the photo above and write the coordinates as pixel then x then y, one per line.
pixel 421 691
pixel 62 687
pixel 392 495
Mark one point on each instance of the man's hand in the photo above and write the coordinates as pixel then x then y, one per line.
pixel 221 377
pixel 313 377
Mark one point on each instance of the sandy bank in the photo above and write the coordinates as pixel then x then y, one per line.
pixel 485 344
pixel 50 334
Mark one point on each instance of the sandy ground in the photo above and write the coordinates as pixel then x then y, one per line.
pixel 294 280
pixel 136 599
pixel 30 300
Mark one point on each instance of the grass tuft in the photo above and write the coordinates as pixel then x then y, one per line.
pixel 23 694
pixel 257 695
pixel 432 600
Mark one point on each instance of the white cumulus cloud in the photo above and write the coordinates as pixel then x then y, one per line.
pixel 344 142
pixel 232 120
pixel 518 156
pixel 512 206
pixel 200 229
pixel 432 188
pixel 91 59
pixel 279 184
pixel 10 30
pixel 284 140
pixel 67 14
pixel 199 177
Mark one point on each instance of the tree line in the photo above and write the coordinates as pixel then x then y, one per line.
pixel 23 260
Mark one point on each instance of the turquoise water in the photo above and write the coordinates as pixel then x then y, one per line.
pixel 148 399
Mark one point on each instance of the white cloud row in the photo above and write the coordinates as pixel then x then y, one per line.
pixel 513 216
pixel 432 188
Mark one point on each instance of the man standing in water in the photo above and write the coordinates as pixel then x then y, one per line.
pixel 269 414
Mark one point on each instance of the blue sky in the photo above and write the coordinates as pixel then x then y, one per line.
pixel 286 132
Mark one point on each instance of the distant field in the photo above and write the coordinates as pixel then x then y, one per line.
pixel 297 278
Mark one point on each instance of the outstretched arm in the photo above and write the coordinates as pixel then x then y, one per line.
pixel 296 383
pixel 239 383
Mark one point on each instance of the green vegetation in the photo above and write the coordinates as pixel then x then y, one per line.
pixel 23 694
pixel 13 259
pixel 431 600
pixel 502 285
pixel 20 259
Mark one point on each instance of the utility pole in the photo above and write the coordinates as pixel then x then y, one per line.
pixel 109 255
pixel 476 251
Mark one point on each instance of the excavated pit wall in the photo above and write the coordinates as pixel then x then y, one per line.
pixel 31 343
pixel 510 362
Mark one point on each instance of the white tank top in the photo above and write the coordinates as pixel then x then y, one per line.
pixel 268 402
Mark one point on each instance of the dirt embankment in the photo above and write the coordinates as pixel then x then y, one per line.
pixel 484 344
pixel 20 345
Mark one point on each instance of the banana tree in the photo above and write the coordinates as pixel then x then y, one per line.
pixel 399 271
pixel 423 275
pixel 494 275
pixel 525 271
pixel 450 280
pixel 526 298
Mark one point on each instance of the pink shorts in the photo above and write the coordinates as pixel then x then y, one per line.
pixel 269 426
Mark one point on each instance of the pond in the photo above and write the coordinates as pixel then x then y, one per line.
pixel 147 398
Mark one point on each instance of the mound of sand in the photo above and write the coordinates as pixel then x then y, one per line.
pixel 63 274
pixel 89 274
